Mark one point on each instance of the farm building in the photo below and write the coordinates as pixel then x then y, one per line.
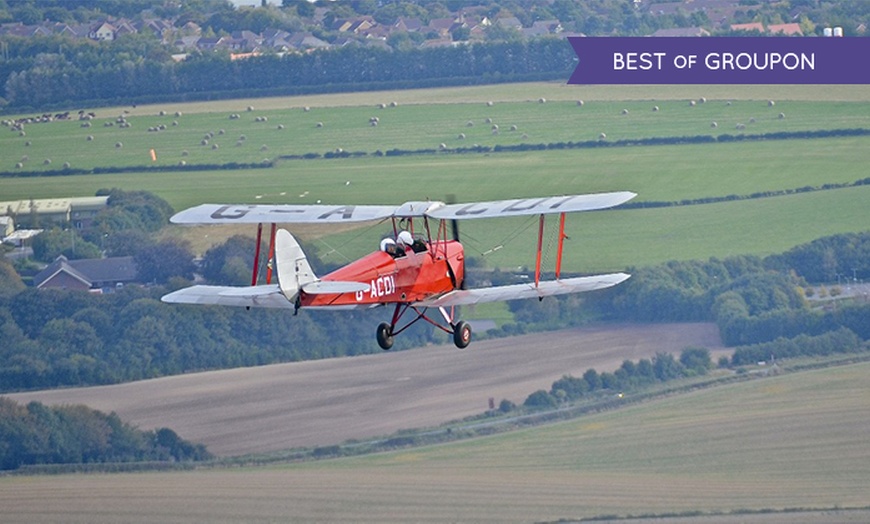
pixel 99 275
pixel 79 212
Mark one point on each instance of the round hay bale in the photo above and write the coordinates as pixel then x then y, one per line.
pixel 250 108
pixel 67 165
pixel 239 143
pixel 19 165
pixel 22 133
pixel 89 138
pixel 525 136
pixel 625 111
pixel 469 124
pixel 220 132
pixel 781 116
pixel 28 143
pixel 47 162
pixel 714 125
pixel 442 146
pixel 489 104
pixel 771 103
pixel 185 152
pixel 752 120
pixel 242 137
pixel 319 124
pixel 182 163
pixel 373 123
pixel 306 109
pixel 265 119
pixel 162 113
pixel 580 103
pixel 215 146
pixel 264 147
pixel 152 129
pixel 495 127
pixel 204 142
pixel 280 126
pixel 25 158
pixel 177 114
pixel 602 136
pixel 119 145
pixel 655 109
pixel 740 127
pixel 495 131
pixel 394 104
pixel 461 136
pixel 85 124
pixel 728 103
pixel 691 103
pixel 702 100
pixel 542 100
pixel 382 106
pixel 514 127
pixel 174 123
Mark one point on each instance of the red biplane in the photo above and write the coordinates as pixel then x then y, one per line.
pixel 425 269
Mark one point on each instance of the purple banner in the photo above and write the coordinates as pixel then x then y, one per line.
pixel 725 60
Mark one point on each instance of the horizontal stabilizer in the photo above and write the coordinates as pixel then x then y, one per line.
pixel 518 291
pixel 268 296
pixel 330 287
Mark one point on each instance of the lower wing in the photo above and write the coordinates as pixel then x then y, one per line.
pixel 519 291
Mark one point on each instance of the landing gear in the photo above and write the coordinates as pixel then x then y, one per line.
pixel 461 330
pixel 385 336
pixel 462 334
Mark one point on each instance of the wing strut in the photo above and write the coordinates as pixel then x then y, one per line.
pixel 562 238
pixel 257 254
pixel 271 261
pixel 540 247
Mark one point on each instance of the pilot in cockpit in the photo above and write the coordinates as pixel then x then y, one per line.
pixel 409 243
pixel 389 246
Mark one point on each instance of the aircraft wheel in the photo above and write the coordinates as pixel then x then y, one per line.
pixel 462 334
pixel 385 336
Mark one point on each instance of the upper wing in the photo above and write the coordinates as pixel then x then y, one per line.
pixel 318 213
pixel 531 206
pixel 517 291
pixel 279 213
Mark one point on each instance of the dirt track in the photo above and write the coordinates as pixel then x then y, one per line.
pixel 269 408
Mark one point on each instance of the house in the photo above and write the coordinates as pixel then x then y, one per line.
pixel 752 26
pixel 7 226
pixel 103 32
pixel 682 31
pixel 98 275
pixel 785 29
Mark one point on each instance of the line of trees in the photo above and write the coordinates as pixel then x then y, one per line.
pixel 38 434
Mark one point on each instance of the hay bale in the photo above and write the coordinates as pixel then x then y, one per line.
pixel 602 136
pixel 442 146
pixel 525 136
pixel 740 127
pixel 19 165
pixel 28 143
pixel 239 143
pixel 495 127
pixel 89 138
pixel 714 125
pixel 489 104
pixel 752 120
pixel 514 127
pixel 461 136
pixel 702 100
pixel 655 109
pixel 394 104
pixel 625 111
pixel 162 113
pixel 728 103
pixel 382 106
pixel 771 103
pixel 119 145
pixel 542 100
pixel 495 131
pixel 182 163
pixel 185 152
pixel 85 124
pixel 177 114
pixel 25 158
pixel 250 108
pixel 280 126
pixel 67 165
pixel 174 123
pixel 220 132
pixel 306 109
pixel 264 147
pixel 203 142
pixel 373 123
pixel 319 124
pixel 580 103
pixel 215 146
pixel 47 162
pixel 242 137
pixel 781 116
pixel 469 124
pixel 691 103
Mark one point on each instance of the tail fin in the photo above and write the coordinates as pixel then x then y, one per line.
pixel 292 265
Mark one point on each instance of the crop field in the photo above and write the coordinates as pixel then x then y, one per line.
pixel 793 441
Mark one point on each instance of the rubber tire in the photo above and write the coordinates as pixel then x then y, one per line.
pixel 385 336
pixel 462 334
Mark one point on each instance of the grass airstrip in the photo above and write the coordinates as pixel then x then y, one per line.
pixel 793 441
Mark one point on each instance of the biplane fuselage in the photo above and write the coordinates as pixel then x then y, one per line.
pixel 408 278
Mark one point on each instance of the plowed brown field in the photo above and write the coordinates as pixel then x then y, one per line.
pixel 318 403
